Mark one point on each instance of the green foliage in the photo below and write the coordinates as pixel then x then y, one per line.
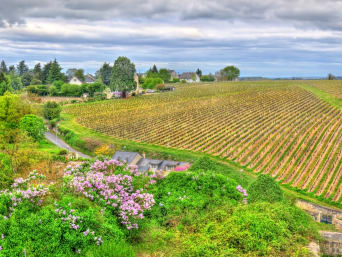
pixel 207 78
pixel 22 68
pixel 42 232
pixel 34 126
pixel 230 72
pixel 123 75
pixel 264 189
pixel 182 191
pixel 3 67
pixel 54 72
pixel 58 84
pixel 154 69
pixel 79 73
pixel 51 110
pixel 6 173
pixel 4 85
pixel 12 109
pixel 164 75
pixel 37 74
pixel 111 249
pixel 53 91
pixel 199 72
pixel 26 79
pixel 105 73
pixel 71 90
pixel 150 83
pixel 95 87
pixel 36 81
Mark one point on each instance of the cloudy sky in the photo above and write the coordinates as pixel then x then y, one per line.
pixel 274 38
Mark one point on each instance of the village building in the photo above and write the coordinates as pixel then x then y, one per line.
pixel 145 164
pixel 89 79
pixel 189 77
pixel 173 74
pixel 75 81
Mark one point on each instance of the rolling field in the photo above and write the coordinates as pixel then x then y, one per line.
pixel 273 127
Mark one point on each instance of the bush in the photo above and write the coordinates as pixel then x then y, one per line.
pixel 150 83
pixel 112 249
pixel 71 90
pixel 36 81
pixel 91 144
pixel 183 81
pixel 51 110
pixel 34 126
pixel 207 78
pixel 264 189
pixel 6 173
pixel 63 152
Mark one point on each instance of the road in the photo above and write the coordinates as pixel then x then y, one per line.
pixel 60 143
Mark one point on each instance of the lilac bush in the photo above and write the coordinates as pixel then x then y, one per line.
pixel 243 192
pixel 116 187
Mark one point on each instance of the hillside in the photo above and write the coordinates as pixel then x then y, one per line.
pixel 274 127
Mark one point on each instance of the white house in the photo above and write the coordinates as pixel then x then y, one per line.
pixel 75 81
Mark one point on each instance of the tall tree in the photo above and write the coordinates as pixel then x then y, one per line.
pixel 105 73
pixel 26 79
pixel 46 70
pixel 199 72
pixel 230 72
pixel 22 68
pixel 55 72
pixel 37 72
pixel 3 67
pixel 4 85
pixel 11 69
pixel 164 75
pixel 154 69
pixel 71 73
pixel 123 75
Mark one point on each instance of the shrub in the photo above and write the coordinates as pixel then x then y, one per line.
pixel 183 81
pixel 150 83
pixel 63 152
pixel 36 81
pixel 91 144
pixel 265 189
pixel 71 90
pixel 51 110
pixel 104 150
pixel 34 126
pixel 112 249
pixel 6 173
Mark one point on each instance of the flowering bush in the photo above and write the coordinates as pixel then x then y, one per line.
pixel 116 187
pixel 243 192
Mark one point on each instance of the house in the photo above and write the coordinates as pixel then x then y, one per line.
pixel 189 77
pixel 75 81
pixel 144 164
pixel 173 74
pixel 89 79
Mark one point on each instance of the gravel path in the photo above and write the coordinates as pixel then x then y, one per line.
pixel 60 143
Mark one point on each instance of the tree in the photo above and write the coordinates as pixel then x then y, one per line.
pixel 207 78
pixel 51 110
pixel 123 75
pixel 34 126
pixel 331 77
pixel 164 75
pixel 37 72
pixel 26 79
pixel 12 109
pixel 15 81
pixel 22 68
pixel 71 73
pixel 80 74
pixel 150 83
pixel 3 67
pixel 11 69
pixel 230 72
pixel 46 70
pixel 199 72
pixel 4 85
pixel 55 72
pixel 105 73
pixel 154 69
pixel 36 81
pixel 71 90
pixel 95 87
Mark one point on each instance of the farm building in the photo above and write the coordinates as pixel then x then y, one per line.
pixel 144 164
pixel 173 74
pixel 189 77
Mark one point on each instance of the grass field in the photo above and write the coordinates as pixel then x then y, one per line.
pixel 289 129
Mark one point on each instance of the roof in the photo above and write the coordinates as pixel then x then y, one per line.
pixel 89 78
pixel 127 157
pixel 75 78
pixel 187 75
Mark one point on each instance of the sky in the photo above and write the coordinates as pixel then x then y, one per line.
pixel 271 38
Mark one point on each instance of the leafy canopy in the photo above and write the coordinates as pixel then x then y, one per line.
pixel 34 126
pixel 123 75
pixel 264 189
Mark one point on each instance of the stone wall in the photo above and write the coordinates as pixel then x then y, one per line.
pixel 332 245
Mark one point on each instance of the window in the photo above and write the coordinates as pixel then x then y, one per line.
pixel 327 219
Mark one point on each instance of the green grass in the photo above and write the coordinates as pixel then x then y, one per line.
pixel 330 99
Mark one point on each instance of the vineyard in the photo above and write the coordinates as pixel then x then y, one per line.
pixel 278 128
